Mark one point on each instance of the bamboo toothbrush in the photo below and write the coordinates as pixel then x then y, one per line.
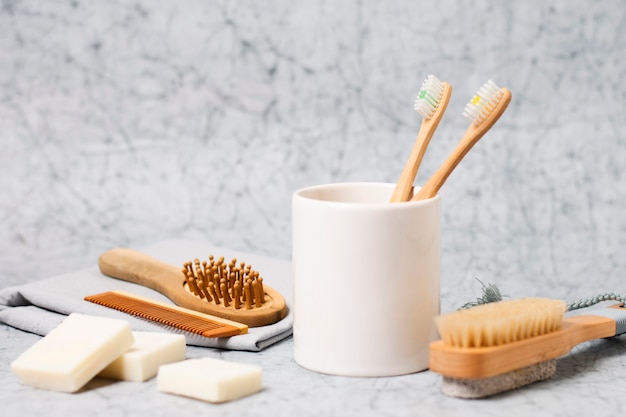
pixel 484 110
pixel 431 103
pixel 504 345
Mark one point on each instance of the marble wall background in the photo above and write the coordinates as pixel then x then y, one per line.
pixel 126 122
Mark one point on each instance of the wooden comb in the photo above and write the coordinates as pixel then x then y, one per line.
pixel 231 291
pixel 174 316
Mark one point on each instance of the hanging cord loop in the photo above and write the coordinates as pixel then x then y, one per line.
pixel 588 302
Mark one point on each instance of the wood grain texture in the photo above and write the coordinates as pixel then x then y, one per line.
pixel 404 186
pixel 495 360
pixel 134 266
pixel 171 315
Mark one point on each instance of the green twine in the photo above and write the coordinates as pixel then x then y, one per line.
pixel 491 294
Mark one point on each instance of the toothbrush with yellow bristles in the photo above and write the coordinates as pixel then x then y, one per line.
pixel 484 110
pixel 431 103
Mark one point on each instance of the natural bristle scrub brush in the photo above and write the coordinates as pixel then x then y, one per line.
pixel 484 109
pixel 225 289
pixel 504 345
pixel 431 103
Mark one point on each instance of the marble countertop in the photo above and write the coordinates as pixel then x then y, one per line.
pixel 591 380
pixel 591 377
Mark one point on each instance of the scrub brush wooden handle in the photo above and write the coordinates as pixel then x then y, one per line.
pixel 484 109
pixel 485 362
pixel 431 103
pixel 504 345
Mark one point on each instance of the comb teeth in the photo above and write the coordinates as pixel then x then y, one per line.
pixel 229 285
pixel 428 97
pixel 501 322
pixel 171 316
pixel 483 103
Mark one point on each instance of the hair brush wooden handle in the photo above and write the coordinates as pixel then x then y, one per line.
pixel 140 268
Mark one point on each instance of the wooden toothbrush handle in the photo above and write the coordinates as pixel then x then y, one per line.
pixel 485 362
pixel 404 186
pixel 469 139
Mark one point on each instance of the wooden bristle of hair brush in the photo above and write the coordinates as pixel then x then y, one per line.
pixel 224 283
pixel 504 345
pixel 228 290
pixel 170 315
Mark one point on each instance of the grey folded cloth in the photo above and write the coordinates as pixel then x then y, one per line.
pixel 40 306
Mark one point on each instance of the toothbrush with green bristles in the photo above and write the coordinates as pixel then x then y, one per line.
pixel 431 103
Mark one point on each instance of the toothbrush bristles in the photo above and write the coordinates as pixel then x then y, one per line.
pixel 483 102
pixel 428 97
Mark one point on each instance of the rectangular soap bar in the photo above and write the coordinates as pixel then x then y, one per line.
pixel 150 350
pixel 210 380
pixel 73 353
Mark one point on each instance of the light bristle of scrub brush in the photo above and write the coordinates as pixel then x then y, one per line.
pixel 501 322
pixel 483 102
pixel 429 96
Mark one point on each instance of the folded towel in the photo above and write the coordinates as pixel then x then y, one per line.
pixel 39 306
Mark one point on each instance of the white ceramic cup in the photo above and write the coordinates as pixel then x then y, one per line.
pixel 366 279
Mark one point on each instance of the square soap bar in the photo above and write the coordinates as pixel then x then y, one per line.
pixel 210 380
pixel 73 353
pixel 150 350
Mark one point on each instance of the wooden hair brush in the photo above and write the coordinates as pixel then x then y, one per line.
pixel 227 290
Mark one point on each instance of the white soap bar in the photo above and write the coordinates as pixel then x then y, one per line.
pixel 73 353
pixel 208 379
pixel 150 350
